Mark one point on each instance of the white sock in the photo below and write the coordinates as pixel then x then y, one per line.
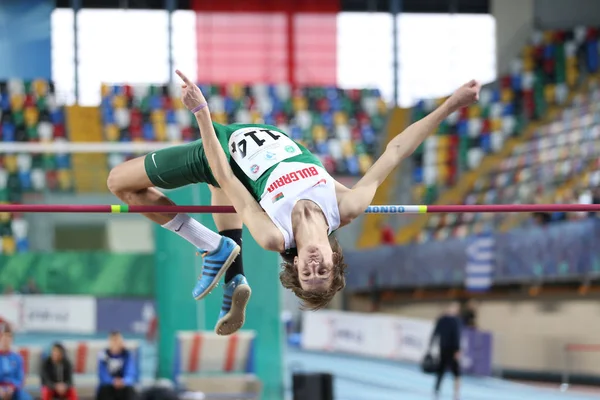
pixel 194 232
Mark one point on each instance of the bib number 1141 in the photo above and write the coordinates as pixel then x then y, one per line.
pixel 242 145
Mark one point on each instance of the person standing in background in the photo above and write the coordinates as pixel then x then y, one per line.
pixel 31 287
pixel 448 331
pixel 388 236
pixel 11 368
pixel 469 314
pixel 57 376
pixel 116 370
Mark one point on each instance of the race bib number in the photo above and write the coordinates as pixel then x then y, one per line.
pixel 256 150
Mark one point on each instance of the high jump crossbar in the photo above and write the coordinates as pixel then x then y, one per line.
pixel 373 209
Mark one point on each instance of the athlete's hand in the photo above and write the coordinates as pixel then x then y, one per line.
pixel 191 95
pixel 466 95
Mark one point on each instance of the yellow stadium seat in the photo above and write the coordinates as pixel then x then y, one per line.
pixel 65 179
pixel 507 95
pixel 340 118
pixel 418 192
pixel 347 148
pixel 443 141
pixel 177 104
pixel 442 155
pixel 161 131
pixel 8 245
pixel 474 112
pixel 112 133
pixel 105 90
pixel 157 117
pixel 17 101
pixel 256 117
pixel 528 64
pixel 299 103
pixel 119 101
pixel 496 124
pixel 572 76
pixel 443 172
pixel 550 93
pixel 527 51
pixel 382 107
pixel 319 133
pixel 10 163
pixel 220 117
pixel 40 87
pixel 32 116
pixel 548 37
pixel 4 217
pixel 236 91
pixel 364 162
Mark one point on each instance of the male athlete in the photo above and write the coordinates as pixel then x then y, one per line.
pixel 280 191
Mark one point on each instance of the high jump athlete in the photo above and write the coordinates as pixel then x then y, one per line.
pixel 280 191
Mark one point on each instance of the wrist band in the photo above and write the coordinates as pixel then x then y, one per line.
pixel 200 107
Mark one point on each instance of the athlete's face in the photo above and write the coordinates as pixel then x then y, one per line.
pixel 315 265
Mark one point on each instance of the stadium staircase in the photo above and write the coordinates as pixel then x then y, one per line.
pixel 89 169
pixel 371 224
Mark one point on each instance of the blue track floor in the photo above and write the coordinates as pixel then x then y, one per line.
pixel 366 379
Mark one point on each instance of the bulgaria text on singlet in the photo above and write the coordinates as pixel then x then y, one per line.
pixel 279 172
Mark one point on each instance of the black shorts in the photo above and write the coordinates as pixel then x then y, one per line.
pixel 448 361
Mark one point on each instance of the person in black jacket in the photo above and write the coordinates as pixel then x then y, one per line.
pixel 469 314
pixel 57 376
pixel 448 331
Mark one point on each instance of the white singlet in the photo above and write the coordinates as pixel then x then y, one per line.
pixel 290 182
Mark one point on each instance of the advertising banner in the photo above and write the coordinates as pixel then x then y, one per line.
pixel 476 352
pixel 96 274
pixel 366 334
pixel 389 337
pixel 74 314
pixel 11 310
pixel 129 316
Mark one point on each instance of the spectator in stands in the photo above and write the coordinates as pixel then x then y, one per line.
pixel 375 291
pixel 11 368
pixel 448 331
pixel 542 218
pixel 595 200
pixel 387 234
pixel 469 314
pixel 57 376
pixel 117 370
pixel 30 287
pixel 8 289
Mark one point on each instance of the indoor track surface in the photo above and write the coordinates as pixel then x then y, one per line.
pixel 367 379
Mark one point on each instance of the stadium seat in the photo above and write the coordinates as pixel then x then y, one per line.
pixel 314 115
pixel 550 67
pixel 217 365
pixel 558 151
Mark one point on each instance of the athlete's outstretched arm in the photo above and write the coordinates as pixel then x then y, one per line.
pixel 258 222
pixel 403 145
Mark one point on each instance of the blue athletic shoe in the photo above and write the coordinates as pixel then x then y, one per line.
pixel 215 264
pixel 233 312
